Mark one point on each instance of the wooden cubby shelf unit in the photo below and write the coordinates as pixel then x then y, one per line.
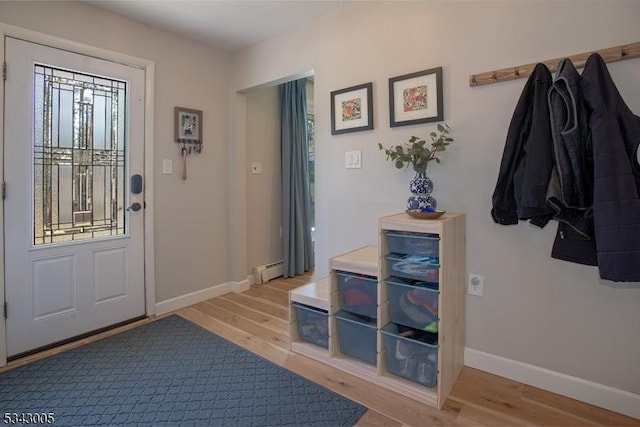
pixel 371 261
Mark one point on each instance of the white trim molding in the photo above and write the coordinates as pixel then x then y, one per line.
pixel 3 329
pixel 186 300
pixel 616 400
pixel 243 285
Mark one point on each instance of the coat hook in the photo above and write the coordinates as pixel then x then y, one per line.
pixel 473 80
pixel 516 71
pixel 623 52
pixel 494 75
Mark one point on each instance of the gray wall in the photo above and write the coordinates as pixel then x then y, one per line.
pixel 264 194
pixel 191 217
pixel 537 310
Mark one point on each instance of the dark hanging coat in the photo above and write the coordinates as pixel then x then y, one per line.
pixel 570 190
pixel 527 160
pixel 616 198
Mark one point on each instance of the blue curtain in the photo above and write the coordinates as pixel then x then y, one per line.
pixel 296 201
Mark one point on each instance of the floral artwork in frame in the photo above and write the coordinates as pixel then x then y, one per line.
pixel 352 109
pixel 416 98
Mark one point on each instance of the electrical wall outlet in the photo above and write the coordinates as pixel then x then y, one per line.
pixel 476 284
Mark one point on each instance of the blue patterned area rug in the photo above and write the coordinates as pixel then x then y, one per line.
pixel 166 373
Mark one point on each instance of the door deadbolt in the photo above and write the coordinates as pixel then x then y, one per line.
pixel 136 184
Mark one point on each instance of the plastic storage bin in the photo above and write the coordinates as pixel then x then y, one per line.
pixel 409 358
pixel 416 267
pixel 356 337
pixel 313 325
pixel 403 242
pixel 413 304
pixel 358 293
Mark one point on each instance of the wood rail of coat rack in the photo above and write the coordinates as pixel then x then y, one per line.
pixel 611 54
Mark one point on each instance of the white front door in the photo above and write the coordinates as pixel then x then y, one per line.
pixel 74 242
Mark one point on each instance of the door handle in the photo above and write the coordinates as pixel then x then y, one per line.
pixel 135 207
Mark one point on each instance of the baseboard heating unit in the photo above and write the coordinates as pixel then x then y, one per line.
pixel 264 273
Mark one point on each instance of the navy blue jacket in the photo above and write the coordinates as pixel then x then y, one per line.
pixel 527 160
pixel 616 196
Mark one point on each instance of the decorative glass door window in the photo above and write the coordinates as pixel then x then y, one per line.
pixel 79 156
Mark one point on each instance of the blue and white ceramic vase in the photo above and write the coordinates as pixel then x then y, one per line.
pixel 421 187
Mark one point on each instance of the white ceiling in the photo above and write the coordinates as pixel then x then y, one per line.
pixel 228 25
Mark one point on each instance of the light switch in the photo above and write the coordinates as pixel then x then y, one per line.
pixel 256 168
pixel 167 166
pixel 353 160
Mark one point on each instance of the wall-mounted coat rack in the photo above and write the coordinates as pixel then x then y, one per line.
pixel 611 54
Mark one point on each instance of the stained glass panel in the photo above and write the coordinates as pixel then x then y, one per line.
pixel 79 156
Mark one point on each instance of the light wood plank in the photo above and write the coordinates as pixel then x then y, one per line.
pixel 268 294
pixel 362 260
pixel 271 322
pixel 266 349
pixel 278 338
pixel 589 413
pixel 289 283
pixel 375 419
pixel 475 416
pixel 275 286
pixel 505 397
pixel 452 302
pixel 259 304
pixel 610 54
pixel 314 294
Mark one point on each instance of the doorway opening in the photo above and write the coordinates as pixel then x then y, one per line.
pixel 264 180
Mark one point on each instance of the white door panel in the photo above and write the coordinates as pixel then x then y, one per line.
pixel 73 135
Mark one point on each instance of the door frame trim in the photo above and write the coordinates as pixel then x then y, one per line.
pixel 149 69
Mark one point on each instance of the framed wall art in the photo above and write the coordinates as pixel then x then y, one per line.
pixel 416 98
pixel 188 133
pixel 188 126
pixel 352 109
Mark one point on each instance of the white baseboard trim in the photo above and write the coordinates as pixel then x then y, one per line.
pixel 596 394
pixel 186 300
pixel 243 285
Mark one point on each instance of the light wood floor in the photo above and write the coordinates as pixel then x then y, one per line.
pixel 258 321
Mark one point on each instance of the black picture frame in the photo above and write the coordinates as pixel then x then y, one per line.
pixel 352 109
pixel 416 98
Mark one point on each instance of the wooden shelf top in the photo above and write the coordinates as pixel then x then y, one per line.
pixel 362 260
pixel 404 222
pixel 314 294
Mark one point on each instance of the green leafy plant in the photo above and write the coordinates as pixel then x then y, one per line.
pixel 416 152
